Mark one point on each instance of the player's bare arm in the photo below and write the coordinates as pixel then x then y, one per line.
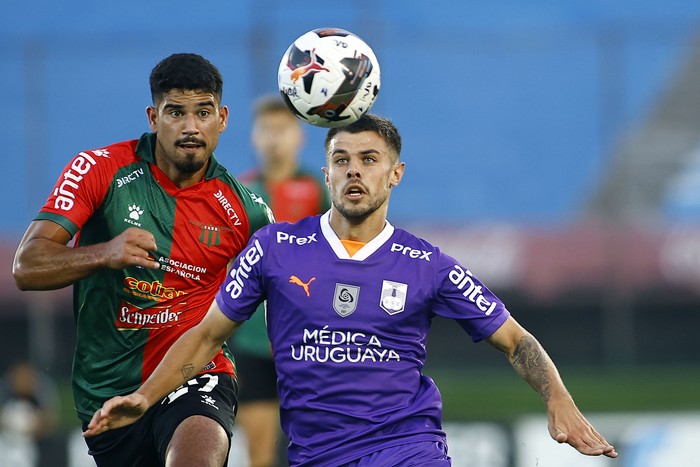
pixel 533 364
pixel 190 353
pixel 43 260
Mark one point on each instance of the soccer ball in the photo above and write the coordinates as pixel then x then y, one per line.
pixel 329 77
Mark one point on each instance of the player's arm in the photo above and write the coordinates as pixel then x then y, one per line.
pixel 529 359
pixel 44 261
pixel 188 355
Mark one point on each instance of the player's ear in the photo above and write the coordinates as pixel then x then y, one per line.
pixel 326 178
pixel 223 118
pixel 152 114
pixel 397 174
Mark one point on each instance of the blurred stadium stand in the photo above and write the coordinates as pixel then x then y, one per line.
pixel 552 147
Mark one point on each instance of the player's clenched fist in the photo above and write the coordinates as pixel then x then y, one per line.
pixel 131 248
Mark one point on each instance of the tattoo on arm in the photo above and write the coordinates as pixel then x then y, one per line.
pixel 532 364
pixel 187 371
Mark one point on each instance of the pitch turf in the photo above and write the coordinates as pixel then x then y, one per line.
pixel 500 395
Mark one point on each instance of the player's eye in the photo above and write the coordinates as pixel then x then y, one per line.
pixel 204 113
pixel 175 113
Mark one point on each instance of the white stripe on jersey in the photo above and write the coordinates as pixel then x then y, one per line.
pixel 364 252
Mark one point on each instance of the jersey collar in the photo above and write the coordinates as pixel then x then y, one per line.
pixel 146 149
pixel 364 252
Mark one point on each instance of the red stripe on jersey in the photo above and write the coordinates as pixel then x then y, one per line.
pixel 210 228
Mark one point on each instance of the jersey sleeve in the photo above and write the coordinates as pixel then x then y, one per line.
pixel 79 191
pixel 464 298
pixel 243 289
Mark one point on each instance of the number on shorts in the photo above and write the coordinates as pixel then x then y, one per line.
pixel 209 387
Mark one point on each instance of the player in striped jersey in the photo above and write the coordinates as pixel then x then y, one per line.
pixel 155 223
pixel 350 299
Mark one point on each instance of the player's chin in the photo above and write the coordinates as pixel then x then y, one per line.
pixel 355 211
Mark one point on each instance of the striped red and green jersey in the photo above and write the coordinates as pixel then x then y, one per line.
pixel 127 319
pixel 291 199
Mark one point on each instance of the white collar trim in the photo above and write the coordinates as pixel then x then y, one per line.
pixel 364 252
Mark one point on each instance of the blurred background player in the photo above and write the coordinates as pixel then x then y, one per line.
pixel 28 410
pixel 292 192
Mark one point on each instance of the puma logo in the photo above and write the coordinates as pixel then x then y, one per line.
pixel 304 285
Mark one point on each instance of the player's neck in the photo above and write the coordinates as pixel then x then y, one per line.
pixel 361 230
pixel 279 171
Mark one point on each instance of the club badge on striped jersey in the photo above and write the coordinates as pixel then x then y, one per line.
pixel 345 299
pixel 393 298
pixel 210 235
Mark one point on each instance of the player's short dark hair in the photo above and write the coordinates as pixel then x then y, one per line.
pixel 370 122
pixel 270 103
pixel 187 72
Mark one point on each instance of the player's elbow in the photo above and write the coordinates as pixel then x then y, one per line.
pixel 28 277
pixel 21 275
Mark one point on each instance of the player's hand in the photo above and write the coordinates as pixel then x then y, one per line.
pixel 117 412
pixel 131 248
pixel 568 425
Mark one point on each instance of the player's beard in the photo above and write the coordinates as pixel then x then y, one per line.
pixel 190 164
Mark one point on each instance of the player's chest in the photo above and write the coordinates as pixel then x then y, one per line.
pixel 380 293
pixel 203 224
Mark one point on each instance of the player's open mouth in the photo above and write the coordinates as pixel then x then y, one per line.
pixel 354 192
pixel 190 146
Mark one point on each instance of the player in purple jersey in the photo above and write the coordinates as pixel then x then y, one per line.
pixel 350 299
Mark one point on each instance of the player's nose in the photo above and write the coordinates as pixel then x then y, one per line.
pixel 190 124
pixel 353 169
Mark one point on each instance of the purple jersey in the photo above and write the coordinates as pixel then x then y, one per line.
pixel 348 334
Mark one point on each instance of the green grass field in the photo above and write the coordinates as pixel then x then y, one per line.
pixel 500 395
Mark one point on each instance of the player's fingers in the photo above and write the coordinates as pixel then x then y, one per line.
pixel 112 405
pixel 146 240
pixel 141 238
pixel 98 424
pixel 146 262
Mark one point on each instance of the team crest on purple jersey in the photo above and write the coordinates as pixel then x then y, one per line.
pixel 393 298
pixel 345 299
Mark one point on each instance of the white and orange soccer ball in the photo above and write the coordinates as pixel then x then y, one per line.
pixel 329 77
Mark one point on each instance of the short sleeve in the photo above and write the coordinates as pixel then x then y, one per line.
pixel 80 190
pixel 243 289
pixel 463 297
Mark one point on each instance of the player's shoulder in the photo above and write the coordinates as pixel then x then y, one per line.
pixel 304 172
pixel 249 177
pixel 113 155
pixel 412 245
pixel 302 232
pixel 257 211
pixel 119 151
pixel 103 162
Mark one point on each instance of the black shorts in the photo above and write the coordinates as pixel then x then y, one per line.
pixel 257 378
pixel 143 444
